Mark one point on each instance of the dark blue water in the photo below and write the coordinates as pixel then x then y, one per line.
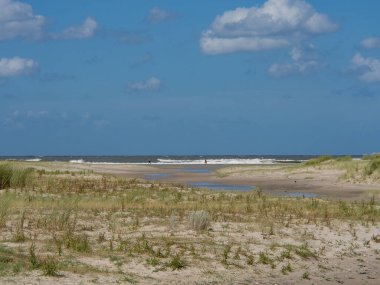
pixel 170 159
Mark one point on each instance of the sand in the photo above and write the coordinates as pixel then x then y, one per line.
pixel 272 180
pixel 284 249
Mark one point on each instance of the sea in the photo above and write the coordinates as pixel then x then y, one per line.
pixel 172 159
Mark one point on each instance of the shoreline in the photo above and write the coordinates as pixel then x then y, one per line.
pixel 274 179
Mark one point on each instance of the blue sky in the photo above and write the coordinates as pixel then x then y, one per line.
pixel 189 77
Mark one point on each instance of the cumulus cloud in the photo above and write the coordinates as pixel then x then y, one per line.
pixel 303 61
pixel 370 43
pixel 276 24
pixel 151 84
pixel 369 68
pixel 158 15
pixel 16 66
pixel 83 31
pixel 17 20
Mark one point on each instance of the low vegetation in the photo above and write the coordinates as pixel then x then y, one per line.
pixel 65 222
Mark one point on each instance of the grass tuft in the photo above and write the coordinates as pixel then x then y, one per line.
pixel 199 220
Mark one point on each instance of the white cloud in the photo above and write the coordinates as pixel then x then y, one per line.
pixel 84 31
pixel 304 60
pixel 16 66
pixel 370 43
pixel 152 84
pixel 275 24
pixel 18 20
pixel 368 67
pixel 36 114
pixel 158 15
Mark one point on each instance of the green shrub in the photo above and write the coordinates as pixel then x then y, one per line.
pixel 13 177
pixel 176 263
pixel 372 166
pixel 306 275
pixel 78 243
pixel 5 176
pixel 50 266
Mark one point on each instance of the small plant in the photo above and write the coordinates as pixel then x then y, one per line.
pixel 286 269
pixel 176 263
pixel 19 236
pixel 199 220
pixel 304 251
pixel 101 238
pixel 286 254
pixel 372 166
pixel 13 177
pixel 226 252
pixel 153 262
pixel 264 258
pixel 34 262
pixel 78 243
pixel 306 275
pixel 250 259
pixel 49 266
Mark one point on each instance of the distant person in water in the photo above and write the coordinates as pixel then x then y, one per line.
pixel 205 161
pixel 149 162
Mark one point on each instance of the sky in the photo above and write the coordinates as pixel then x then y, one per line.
pixel 140 77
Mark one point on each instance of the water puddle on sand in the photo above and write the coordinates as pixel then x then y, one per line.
pixel 298 194
pixel 197 170
pixel 220 187
pixel 156 176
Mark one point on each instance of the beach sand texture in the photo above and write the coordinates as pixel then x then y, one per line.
pixel 108 224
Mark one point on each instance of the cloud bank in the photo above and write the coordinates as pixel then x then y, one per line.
pixel 16 66
pixel 369 68
pixel 17 20
pixel 276 24
pixel 84 31
pixel 303 61
pixel 370 43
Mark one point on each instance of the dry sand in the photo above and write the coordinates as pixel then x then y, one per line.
pixel 338 252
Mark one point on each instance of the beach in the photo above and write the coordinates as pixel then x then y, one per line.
pixel 272 179
pixel 86 223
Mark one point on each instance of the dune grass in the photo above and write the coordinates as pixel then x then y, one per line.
pixel 57 218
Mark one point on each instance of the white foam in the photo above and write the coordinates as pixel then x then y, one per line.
pixel 221 161
pixel 218 161
pixel 33 159
pixel 77 161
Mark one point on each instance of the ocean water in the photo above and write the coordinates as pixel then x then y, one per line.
pixel 169 159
